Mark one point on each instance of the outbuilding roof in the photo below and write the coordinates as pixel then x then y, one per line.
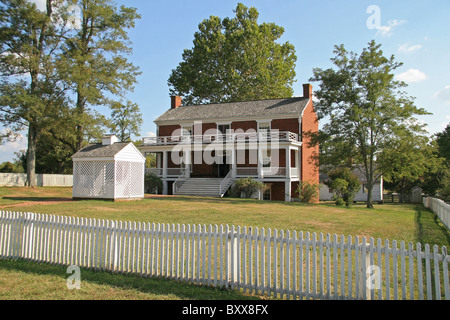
pixel 287 106
pixel 99 150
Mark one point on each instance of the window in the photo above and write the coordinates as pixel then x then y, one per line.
pixel 186 130
pixel 266 158
pixel 264 127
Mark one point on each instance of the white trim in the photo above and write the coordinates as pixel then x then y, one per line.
pixel 232 119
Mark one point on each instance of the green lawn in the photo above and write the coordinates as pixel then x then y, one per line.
pixel 26 280
pixel 388 221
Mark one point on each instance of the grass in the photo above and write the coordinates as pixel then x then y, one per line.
pixel 405 222
pixel 27 280
pixel 23 280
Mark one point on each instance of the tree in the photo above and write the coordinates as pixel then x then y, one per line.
pixel 94 62
pixel 126 120
pixel 235 59
pixel 7 167
pixel 367 109
pixel 344 183
pixel 443 142
pixel 32 95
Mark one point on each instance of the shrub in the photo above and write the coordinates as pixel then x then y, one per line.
pixel 338 201
pixel 247 186
pixel 308 191
pixel 344 183
pixel 152 183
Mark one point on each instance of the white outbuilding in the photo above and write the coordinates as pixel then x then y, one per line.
pixel 109 170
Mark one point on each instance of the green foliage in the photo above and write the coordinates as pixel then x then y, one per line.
pixel 32 94
pixel 367 108
pixel 247 187
pixel 443 142
pixel 235 59
pixel 7 167
pixel 444 190
pixel 344 183
pixel 94 62
pixel 126 120
pixel 308 191
pixel 152 183
pixel 338 201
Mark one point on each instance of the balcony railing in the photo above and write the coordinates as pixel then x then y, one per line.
pixel 284 136
pixel 171 172
pixel 269 172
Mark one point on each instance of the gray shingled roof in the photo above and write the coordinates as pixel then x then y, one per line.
pixel 289 106
pixel 100 151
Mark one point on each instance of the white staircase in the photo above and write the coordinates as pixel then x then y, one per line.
pixel 202 187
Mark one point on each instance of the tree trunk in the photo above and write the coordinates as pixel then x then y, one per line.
pixel 31 156
pixel 369 194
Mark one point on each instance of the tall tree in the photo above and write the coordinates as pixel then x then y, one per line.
pixel 95 62
pixel 31 93
pixel 126 120
pixel 443 142
pixel 235 59
pixel 367 109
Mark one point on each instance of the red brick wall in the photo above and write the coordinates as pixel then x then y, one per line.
pixel 310 168
pixel 244 125
pixel 167 131
pixel 291 125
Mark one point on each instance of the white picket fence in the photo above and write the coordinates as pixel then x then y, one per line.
pixel 276 263
pixel 440 208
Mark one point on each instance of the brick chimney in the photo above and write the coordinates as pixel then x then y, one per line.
pixel 307 90
pixel 175 102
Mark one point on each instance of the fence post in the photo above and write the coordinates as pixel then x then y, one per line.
pixel 232 257
pixel 364 262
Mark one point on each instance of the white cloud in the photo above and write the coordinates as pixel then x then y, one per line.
pixel 443 94
pixel 388 29
pixel 150 134
pixel 411 75
pixel 8 148
pixel 409 48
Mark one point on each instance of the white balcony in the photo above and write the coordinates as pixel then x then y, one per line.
pixel 280 136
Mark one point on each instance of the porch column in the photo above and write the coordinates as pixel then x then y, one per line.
pixel 187 163
pixel 165 164
pixel 165 156
pixel 233 162
pixel 260 160
pixel 287 191
pixel 288 163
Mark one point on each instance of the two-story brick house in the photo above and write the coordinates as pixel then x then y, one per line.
pixel 203 149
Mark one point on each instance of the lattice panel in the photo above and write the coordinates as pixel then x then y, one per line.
pixel 129 179
pixel 93 179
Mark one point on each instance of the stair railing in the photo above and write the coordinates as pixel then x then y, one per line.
pixel 179 182
pixel 226 183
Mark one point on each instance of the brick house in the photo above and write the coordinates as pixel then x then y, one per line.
pixel 203 149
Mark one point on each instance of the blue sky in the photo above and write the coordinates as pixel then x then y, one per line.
pixel 417 33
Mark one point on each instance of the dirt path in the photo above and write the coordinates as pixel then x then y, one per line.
pixel 30 203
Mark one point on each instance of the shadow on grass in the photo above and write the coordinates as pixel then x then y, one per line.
pixel 429 229
pixel 152 285
pixel 228 200
pixel 38 199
